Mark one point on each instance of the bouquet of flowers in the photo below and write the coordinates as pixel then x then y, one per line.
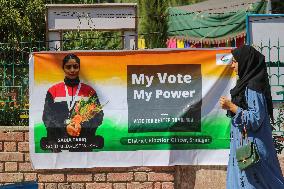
pixel 83 111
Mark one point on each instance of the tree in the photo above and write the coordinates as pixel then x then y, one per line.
pixel 174 3
pixel 154 22
pixel 277 7
pixel 153 19
pixel 21 20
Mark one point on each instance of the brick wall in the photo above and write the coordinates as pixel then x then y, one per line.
pixel 15 166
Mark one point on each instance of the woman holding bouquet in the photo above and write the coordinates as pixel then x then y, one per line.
pixel 67 127
pixel 250 110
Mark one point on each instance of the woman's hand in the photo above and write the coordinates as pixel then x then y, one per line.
pixel 227 104
pixel 73 129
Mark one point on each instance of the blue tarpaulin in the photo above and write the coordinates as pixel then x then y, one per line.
pixel 22 185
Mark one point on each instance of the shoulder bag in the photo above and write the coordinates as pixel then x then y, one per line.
pixel 247 154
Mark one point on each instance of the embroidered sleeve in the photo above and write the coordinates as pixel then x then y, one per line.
pixel 254 116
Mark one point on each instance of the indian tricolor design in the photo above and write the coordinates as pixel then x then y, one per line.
pixel 160 106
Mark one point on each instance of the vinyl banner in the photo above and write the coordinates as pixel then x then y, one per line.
pixel 129 108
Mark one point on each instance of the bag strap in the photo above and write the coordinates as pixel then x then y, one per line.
pixel 244 131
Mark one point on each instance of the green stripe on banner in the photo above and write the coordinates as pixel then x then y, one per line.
pixel 215 132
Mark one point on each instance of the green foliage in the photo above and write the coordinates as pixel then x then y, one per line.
pixel 277 7
pixel 92 40
pixel 78 1
pixel 154 22
pixel 21 20
pixel 11 116
pixel 279 120
pixel 174 3
pixel 153 19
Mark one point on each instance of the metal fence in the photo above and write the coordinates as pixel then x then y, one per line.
pixel 14 70
pixel 275 68
pixel 14 83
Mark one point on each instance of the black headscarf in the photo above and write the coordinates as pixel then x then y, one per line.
pixel 252 73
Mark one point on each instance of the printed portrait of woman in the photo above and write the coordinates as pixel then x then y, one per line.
pixel 72 113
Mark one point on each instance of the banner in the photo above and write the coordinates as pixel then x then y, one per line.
pixel 129 108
